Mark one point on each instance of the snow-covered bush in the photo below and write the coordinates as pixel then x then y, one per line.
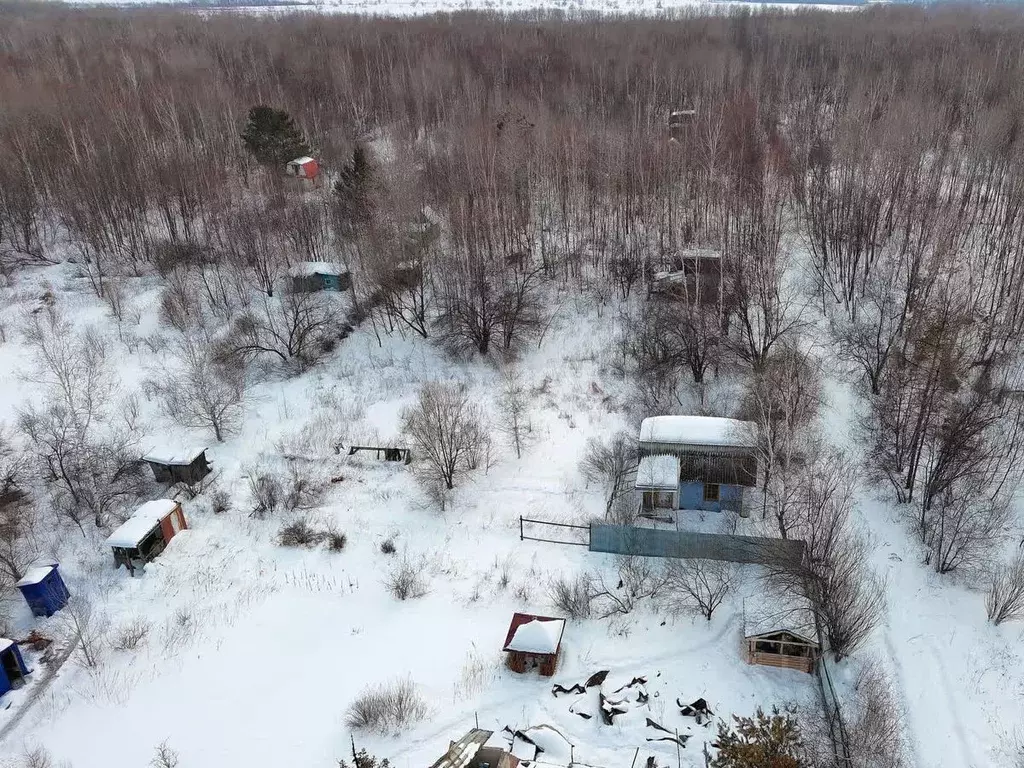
pixel 574 597
pixel 271 493
pixel 386 708
pixel 1005 598
pixel 405 580
pixel 299 534
pixel 131 635
pixel 388 546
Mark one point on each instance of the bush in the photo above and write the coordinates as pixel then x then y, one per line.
pixel 336 540
pixel 131 635
pixel 220 501
pixel 1005 598
pixel 405 581
pixel 388 546
pixel 270 493
pixel 299 534
pixel 386 708
pixel 574 598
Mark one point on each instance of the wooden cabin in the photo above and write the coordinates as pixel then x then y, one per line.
pixel 534 641
pixel 782 648
pixel 695 462
pixel 144 535
pixel 178 464
pixel 695 275
pixel 12 666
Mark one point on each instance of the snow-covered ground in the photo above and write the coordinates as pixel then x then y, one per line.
pixel 255 651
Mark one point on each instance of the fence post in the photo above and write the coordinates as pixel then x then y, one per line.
pixel 520 527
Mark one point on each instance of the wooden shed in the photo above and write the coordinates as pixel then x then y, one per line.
pixel 534 641
pixel 178 464
pixel 781 634
pixel 146 533
pixel 12 666
pixel 303 168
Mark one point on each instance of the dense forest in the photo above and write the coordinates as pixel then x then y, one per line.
pixel 475 162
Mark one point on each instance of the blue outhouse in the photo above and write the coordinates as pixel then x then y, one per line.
pixel 12 667
pixel 44 590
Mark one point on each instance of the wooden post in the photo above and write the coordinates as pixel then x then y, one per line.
pixel 520 527
pixel 679 759
pixel 633 764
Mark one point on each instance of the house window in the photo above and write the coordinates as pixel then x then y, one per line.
pixel 711 491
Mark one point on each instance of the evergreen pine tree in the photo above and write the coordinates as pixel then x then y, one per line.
pixel 352 192
pixel 760 742
pixel 272 137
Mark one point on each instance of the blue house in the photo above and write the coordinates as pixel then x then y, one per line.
pixel 12 667
pixel 44 590
pixel 696 462
pixel 313 276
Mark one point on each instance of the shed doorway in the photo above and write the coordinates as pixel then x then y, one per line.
pixel 12 669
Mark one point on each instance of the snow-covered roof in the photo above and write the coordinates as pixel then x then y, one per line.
pixel 698 431
pixel 537 636
pixel 660 472
pixel 5 644
pixel 133 530
pixel 302 160
pixel 35 575
pixel 306 268
pixel 174 455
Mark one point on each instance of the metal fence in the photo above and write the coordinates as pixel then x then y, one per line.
pixel 658 542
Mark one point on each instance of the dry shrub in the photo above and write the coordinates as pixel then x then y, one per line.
pixel 573 597
pixel 406 580
pixel 1005 598
pixel 387 708
pixel 131 635
pixel 336 540
pixel 388 546
pixel 876 736
pixel 299 534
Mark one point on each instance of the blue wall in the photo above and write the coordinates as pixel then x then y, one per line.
pixel 5 682
pixel 48 596
pixel 691 496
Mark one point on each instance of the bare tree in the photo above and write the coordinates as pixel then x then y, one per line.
pixel 84 622
pixel 698 585
pixel 848 598
pixel 165 757
pixel 297 329
pixel 204 393
pixel 514 410
pixel 445 427
pixel 611 463
pixel 1005 598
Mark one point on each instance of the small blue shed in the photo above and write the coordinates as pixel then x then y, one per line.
pixel 44 590
pixel 12 667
